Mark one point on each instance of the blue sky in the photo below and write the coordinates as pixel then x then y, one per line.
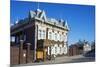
pixel 81 18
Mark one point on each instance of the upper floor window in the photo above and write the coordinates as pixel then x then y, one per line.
pixel 58 37
pixel 55 36
pixel 65 38
pixel 39 34
pixel 44 34
pixel 50 36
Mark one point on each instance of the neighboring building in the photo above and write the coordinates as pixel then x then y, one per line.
pixel 47 35
pixel 86 47
pixel 79 48
pixel 75 49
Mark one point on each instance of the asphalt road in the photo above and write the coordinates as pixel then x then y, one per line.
pixel 64 59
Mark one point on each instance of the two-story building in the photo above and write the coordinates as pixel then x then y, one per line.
pixel 45 34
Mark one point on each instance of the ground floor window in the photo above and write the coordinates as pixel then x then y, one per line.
pixel 12 38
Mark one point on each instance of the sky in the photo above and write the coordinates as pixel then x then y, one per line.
pixel 80 18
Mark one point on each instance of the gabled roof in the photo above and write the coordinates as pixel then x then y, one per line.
pixel 32 14
pixel 38 13
pixel 41 16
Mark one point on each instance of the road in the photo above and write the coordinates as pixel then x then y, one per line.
pixel 64 59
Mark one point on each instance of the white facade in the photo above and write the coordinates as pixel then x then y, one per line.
pixel 54 49
pixel 57 50
pixel 65 49
pixel 41 33
pixel 54 34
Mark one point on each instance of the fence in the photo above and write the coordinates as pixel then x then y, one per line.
pixel 19 55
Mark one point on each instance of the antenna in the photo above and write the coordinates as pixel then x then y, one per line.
pixel 38 5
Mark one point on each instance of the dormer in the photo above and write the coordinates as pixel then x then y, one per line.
pixel 39 14
pixel 32 14
pixel 43 15
pixel 61 22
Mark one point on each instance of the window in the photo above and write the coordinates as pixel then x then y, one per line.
pixel 65 49
pixel 24 37
pixel 58 37
pixel 52 50
pixel 48 50
pixel 44 34
pixel 55 36
pixel 12 38
pixel 60 49
pixel 55 50
pixel 39 34
pixel 17 39
pixel 65 37
pixel 49 36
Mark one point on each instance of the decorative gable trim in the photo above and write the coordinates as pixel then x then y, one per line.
pixel 43 16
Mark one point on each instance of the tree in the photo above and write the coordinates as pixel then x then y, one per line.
pixel 93 44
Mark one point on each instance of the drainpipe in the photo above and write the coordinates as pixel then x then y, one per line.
pixel 35 44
